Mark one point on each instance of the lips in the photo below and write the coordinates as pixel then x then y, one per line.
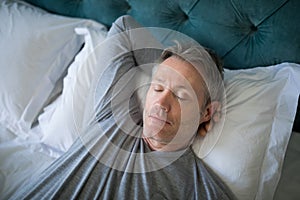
pixel 159 120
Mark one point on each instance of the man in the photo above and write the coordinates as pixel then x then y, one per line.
pixel 117 156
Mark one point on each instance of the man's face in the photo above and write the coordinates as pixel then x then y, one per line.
pixel 172 107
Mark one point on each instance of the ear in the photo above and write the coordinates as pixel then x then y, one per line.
pixel 209 111
pixel 210 116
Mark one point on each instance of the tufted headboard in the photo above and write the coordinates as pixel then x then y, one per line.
pixel 243 33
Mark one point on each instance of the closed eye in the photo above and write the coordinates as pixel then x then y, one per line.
pixel 157 87
pixel 182 95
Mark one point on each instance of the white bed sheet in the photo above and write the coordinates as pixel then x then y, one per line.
pixel 22 159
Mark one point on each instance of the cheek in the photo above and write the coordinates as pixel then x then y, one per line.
pixel 190 114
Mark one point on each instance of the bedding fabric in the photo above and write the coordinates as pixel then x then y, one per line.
pixel 110 159
pixel 36 49
pixel 66 113
pixel 20 161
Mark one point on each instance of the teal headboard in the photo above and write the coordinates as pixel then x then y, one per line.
pixel 244 33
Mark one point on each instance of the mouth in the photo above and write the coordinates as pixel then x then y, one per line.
pixel 159 120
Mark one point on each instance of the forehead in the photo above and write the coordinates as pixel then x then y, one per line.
pixel 177 70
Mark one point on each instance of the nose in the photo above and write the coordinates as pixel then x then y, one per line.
pixel 164 100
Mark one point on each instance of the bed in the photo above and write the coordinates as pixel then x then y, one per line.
pixel 48 64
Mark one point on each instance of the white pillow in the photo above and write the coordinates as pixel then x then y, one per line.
pixel 61 121
pixel 260 110
pixel 36 49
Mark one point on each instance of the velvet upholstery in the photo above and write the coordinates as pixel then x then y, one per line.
pixel 243 33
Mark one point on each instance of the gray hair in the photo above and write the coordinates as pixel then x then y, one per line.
pixel 206 62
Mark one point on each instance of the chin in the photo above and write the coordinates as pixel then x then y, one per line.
pixel 165 144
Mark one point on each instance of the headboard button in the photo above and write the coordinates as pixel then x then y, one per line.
pixel 185 17
pixel 253 28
